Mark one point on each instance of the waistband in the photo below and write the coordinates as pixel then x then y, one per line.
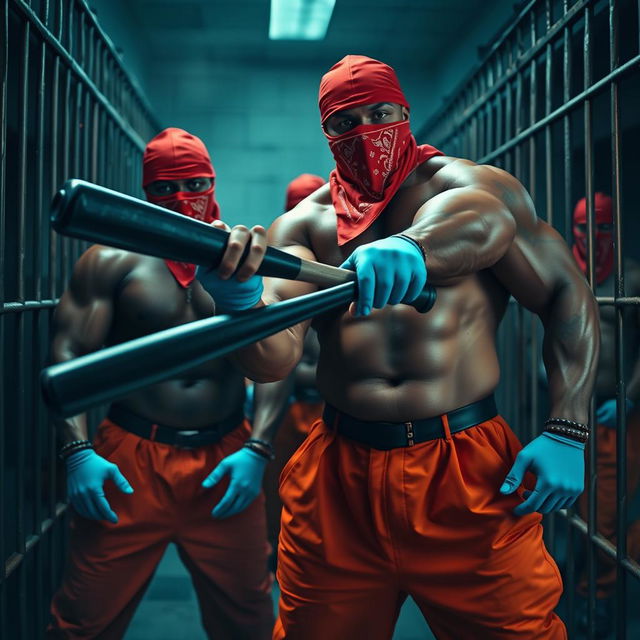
pixel 391 435
pixel 183 438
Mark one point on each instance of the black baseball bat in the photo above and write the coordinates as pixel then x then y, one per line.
pixel 84 210
pixel 74 386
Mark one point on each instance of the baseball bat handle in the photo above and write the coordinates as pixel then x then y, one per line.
pixel 88 211
pixel 73 387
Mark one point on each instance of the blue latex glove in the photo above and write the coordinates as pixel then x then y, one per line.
pixel 558 463
pixel 389 271
pixel 245 468
pixel 231 294
pixel 86 474
pixel 607 412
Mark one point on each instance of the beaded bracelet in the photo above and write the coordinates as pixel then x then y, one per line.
pixel 260 449
pixel 74 447
pixel 569 432
pixel 568 423
pixel 417 243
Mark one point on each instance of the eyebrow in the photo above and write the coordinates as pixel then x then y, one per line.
pixel 347 112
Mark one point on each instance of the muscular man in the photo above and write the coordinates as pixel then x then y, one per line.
pixel 290 406
pixel 157 466
pixel 412 483
pixel 606 402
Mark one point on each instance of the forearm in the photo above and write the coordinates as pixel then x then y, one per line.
pixel 73 428
pixel 570 350
pixel 272 358
pixel 462 233
pixel 270 401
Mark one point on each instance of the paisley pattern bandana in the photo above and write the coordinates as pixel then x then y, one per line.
pixel 372 161
pixel 175 154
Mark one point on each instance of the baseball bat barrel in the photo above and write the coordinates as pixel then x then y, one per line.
pixel 88 211
pixel 75 386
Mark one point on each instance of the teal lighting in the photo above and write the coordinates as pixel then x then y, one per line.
pixel 300 19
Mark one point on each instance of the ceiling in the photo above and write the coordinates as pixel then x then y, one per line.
pixel 406 31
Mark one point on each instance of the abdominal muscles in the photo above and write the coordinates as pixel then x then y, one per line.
pixel 399 365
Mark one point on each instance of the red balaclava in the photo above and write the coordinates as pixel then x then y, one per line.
pixel 175 154
pixel 300 188
pixel 603 206
pixel 372 160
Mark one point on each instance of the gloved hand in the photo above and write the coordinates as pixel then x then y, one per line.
pixel 607 412
pixel 86 474
pixel 558 463
pixel 231 294
pixel 391 270
pixel 245 468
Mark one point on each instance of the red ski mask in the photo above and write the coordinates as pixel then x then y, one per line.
pixel 300 188
pixel 603 207
pixel 372 160
pixel 175 154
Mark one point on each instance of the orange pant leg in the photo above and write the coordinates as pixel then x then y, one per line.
pixel 111 565
pixel 291 434
pixel 227 558
pixel 606 462
pixel 361 528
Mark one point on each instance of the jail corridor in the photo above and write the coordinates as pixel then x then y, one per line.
pixel 547 91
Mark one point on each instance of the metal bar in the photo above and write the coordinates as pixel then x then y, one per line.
pixel 4 70
pixel 20 404
pixel 567 59
pixel 41 227
pixel 569 16
pixel 68 60
pixel 622 301
pixel 19 369
pixel 53 239
pixel 65 243
pixel 593 90
pixel 593 448
pixel 548 141
pixel 604 545
pixel 621 427
pixel 15 560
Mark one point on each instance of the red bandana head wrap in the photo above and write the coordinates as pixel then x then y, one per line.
pixel 372 161
pixel 603 207
pixel 175 154
pixel 300 188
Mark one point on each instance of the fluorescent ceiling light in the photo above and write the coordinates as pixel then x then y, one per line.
pixel 300 19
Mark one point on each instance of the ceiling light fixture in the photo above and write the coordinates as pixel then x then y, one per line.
pixel 300 19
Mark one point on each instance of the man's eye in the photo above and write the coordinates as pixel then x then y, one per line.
pixel 379 115
pixel 345 124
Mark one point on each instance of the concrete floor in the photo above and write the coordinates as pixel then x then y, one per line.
pixel 169 610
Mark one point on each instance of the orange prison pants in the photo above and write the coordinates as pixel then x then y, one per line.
pixel 111 565
pixel 293 430
pixel 362 529
pixel 607 502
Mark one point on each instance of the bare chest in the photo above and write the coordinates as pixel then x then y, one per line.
pixel 151 300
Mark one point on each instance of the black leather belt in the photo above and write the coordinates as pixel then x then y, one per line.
pixel 183 438
pixel 391 435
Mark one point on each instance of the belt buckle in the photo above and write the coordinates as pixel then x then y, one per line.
pixel 183 437
pixel 410 434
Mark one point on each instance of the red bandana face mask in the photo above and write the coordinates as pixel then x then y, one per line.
pixel 175 154
pixel 372 161
pixel 603 239
pixel 369 154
